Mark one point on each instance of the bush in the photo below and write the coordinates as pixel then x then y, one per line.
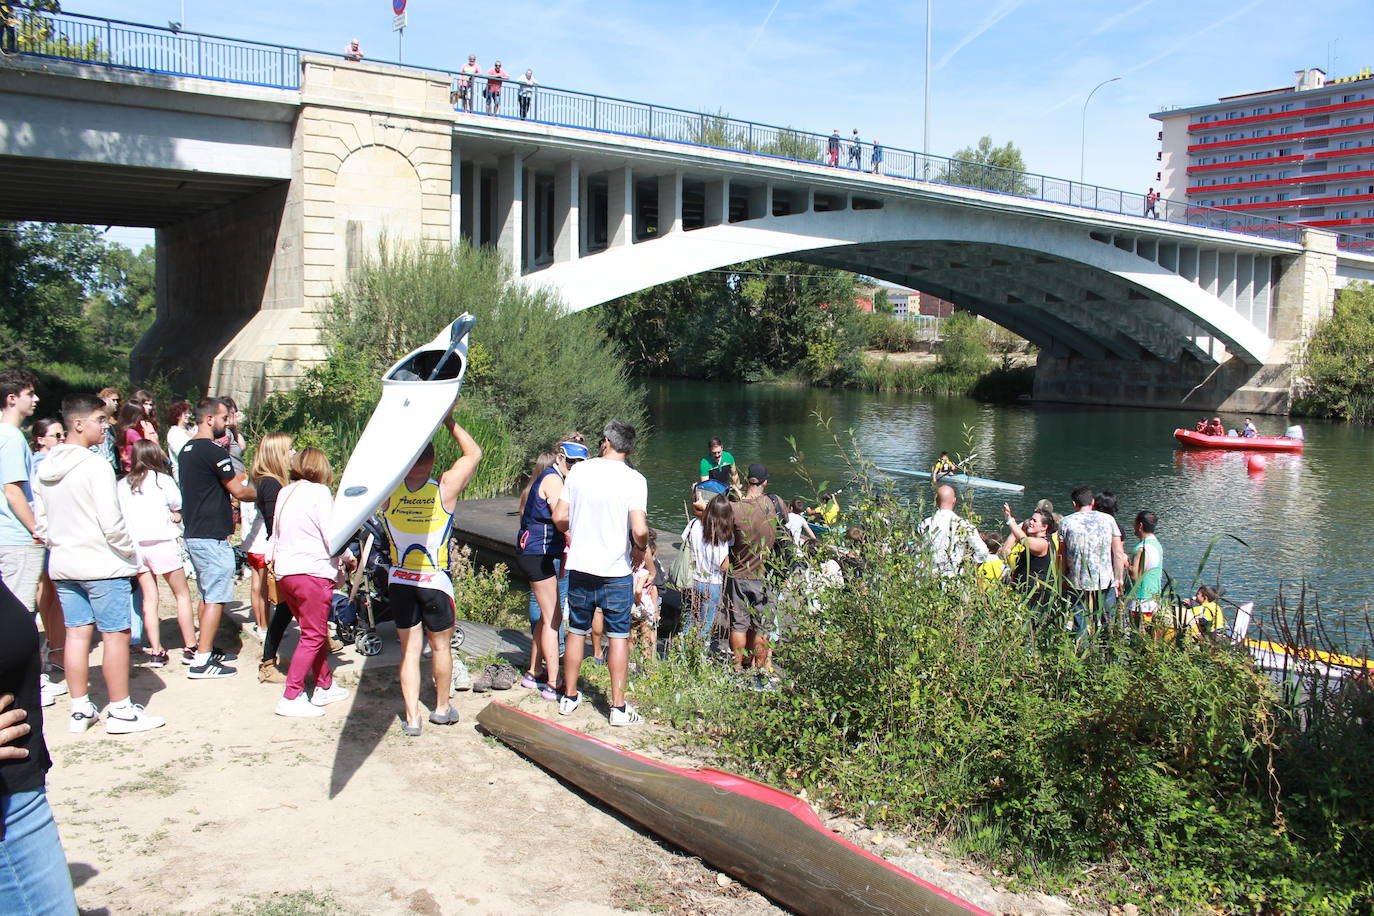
pixel 964 345
pixel 542 372
pixel 927 704
pixel 534 374
pixel 1338 362
pixel 888 333
pixel 484 595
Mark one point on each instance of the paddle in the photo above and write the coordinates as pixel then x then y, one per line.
pixel 460 328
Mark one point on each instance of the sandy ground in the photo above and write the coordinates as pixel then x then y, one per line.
pixel 232 809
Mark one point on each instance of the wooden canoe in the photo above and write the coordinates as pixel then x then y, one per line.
pixel 760 835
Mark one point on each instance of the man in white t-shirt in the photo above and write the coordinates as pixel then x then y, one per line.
pixel 602 508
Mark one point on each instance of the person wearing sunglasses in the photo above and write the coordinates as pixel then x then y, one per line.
pixel 47 435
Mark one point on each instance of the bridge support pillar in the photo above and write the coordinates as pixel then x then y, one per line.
pixel 510 195
pixel 717 209
pixel 567 180
pixel 243 290
pixel 1306 294
pixel 620 199
pixel 670 203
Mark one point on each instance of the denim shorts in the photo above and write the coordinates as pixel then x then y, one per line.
pixel 614 595
pixel 107 603
pixel 213 560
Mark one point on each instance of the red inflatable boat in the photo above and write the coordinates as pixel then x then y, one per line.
pixel 1253 444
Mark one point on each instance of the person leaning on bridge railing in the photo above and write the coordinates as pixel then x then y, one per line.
pixel 9 29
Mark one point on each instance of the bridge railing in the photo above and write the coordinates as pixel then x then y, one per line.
pixel 127 45
pixel 131 46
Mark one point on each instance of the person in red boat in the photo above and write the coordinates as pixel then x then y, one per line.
pixel 1217 428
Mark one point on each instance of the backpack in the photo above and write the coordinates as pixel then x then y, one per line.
pixel 682 573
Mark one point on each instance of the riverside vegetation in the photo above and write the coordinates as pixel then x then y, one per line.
pixel 534 373
pixel 1173 776
pixel 1338 362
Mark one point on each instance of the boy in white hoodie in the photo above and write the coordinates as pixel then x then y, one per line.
pixel 91 561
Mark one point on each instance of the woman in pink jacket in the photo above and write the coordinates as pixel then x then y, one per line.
pixel 306 574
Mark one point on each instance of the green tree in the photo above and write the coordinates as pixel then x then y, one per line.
pixel 881 305
pixel 992 168
pixel 47 272
pixel 1338 362
pixel 125 306
pixel 963 344
pixel 743 322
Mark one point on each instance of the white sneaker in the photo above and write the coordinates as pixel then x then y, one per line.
pixel 568 705
pixel 130 719
pixel 462 677
pixel 629 716
pixel 298 708
pixel 83 717
pixel 48 692
pixel 323 697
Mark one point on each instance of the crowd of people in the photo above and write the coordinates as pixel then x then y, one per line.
pixel 853 149
pixel 1215 427
pixel 471 80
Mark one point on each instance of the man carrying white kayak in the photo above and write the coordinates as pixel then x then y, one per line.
pixel 419 521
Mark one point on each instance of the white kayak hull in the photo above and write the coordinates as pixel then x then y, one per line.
pixel 960 480
pixel 417 393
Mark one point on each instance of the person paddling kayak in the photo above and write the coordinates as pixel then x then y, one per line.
pixel 942 467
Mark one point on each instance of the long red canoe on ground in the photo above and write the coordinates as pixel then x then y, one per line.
pixel 1254 443
pixel 762 836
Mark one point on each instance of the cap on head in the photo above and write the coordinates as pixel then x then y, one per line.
pixel 573 451
pixel 757 473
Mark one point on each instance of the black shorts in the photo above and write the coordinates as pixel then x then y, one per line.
pixel 411 604
pixel 537 567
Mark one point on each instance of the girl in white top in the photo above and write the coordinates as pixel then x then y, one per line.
pixel 151 504
pixel 710 538
pixel 796 522
pixel 177 433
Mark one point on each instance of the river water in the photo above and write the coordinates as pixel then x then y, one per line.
pixel 1307 519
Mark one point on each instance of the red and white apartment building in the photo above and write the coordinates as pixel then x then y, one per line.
pixel 1303 153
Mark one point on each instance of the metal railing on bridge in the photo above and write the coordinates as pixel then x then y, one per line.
pixel 149 49
pixel 131 46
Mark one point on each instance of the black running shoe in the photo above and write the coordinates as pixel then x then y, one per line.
pixel 213 668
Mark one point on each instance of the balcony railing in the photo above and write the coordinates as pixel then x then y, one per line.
pixel 131 46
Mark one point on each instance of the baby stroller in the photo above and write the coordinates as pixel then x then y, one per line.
pixel 357 613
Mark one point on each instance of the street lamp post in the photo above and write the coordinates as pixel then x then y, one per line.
pixel 1083 129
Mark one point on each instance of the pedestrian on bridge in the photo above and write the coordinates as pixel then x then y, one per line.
pixel 1151 199
pixel 353 51
pixel 877 157
pixel 525 94
pixel 856 151
pixel 465 90
pixel 833 148
pixel 493 95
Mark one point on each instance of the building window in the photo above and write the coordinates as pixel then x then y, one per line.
pixel 1354 97
pixel 1347 122
pixel 1282 195
pixel 1345 192
pixel 1346 167
pixel 1285 173
pixel 1286 151
pixel 1229 201
pixel 1286 106
pixel 1342 214
pixel 1350 144
pixel 1257 199
pixel 1260 111
pixel 1259 154
pixel 1231 136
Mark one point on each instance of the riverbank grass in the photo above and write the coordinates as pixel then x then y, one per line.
pixel 1132 769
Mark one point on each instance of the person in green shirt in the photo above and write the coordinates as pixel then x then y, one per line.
pixel 718 463
pixel 1146 568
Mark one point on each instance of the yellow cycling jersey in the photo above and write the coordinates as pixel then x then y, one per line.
pixel 419 527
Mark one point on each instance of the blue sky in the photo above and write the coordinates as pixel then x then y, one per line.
pixel 1016 70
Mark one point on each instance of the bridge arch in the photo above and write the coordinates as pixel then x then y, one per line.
pixel 1067 289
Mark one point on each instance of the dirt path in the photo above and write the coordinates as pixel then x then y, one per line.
pixel 232 809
